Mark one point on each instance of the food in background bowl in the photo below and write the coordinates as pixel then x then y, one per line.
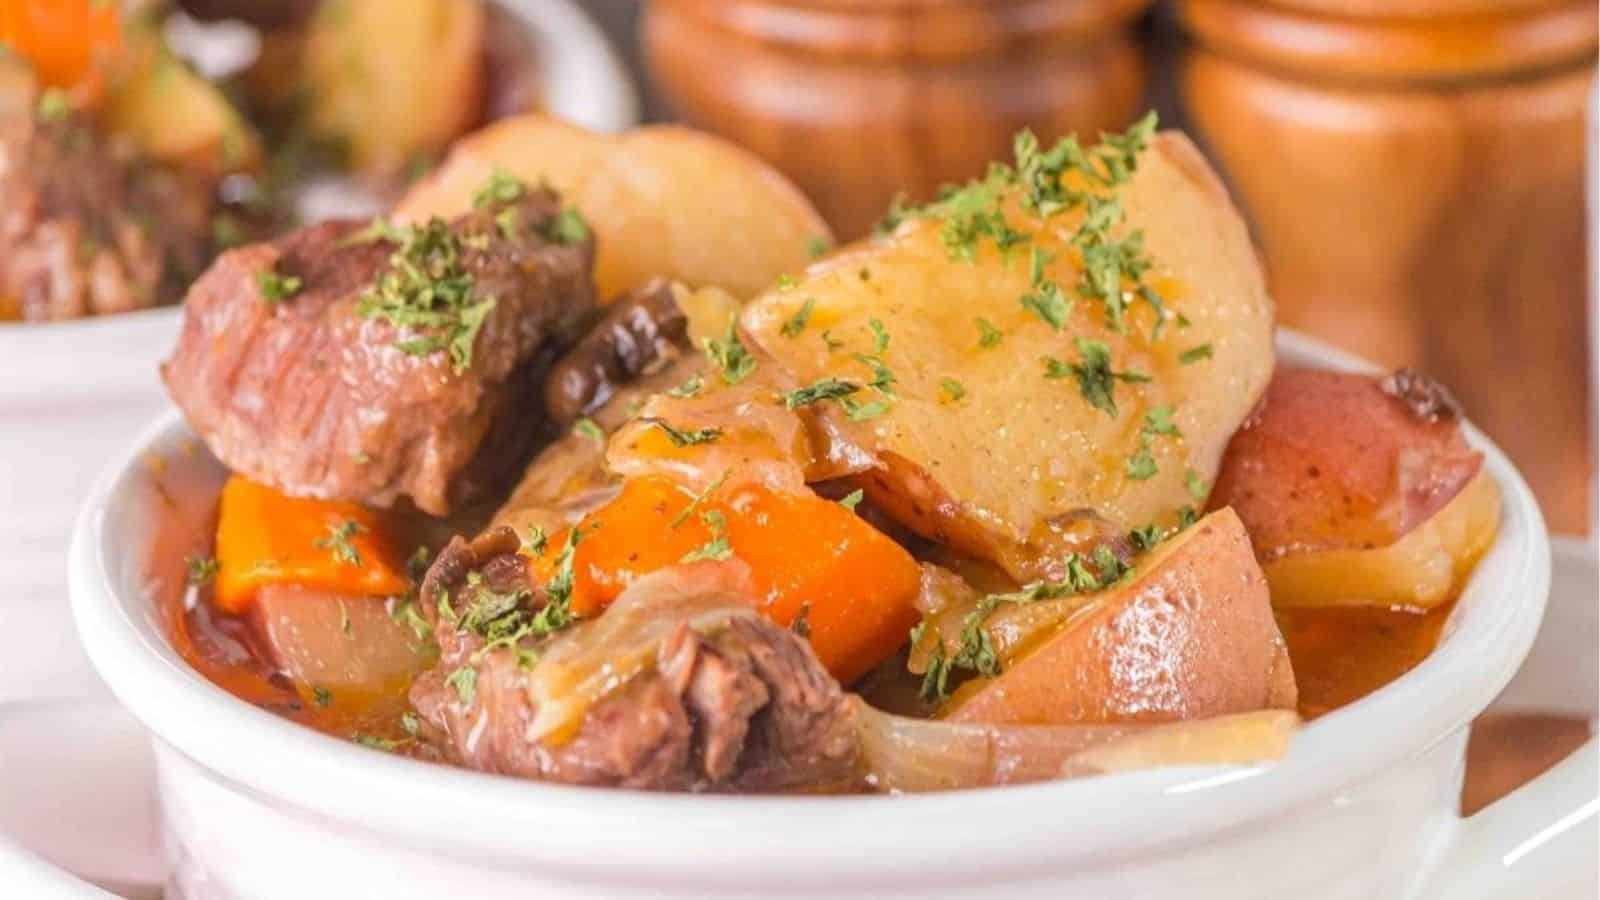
pixel 126 169
pixel 928 513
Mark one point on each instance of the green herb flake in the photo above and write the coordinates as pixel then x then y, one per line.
pixel 802 621
pixel 339 543
pixel 464 680
pixel 832 343
pixel 818 246
pixel 1195 354
pixel 1198 489
pixel 388 745
pixel 1096 379
pixel 321 696
pixel 883 378
pixel 690 388
pixel 502 187
pixel 863 412
pixel 718 547
pixel 1141 466
pixel 588 428
pixel 824 389
pixel 535 542
pixel 730 356
pixel 427 293
pixel 687 437
pixel 567 227
pixel 54 105
pixel 952 389
pixel 853 499
pixel 880 336
pixel 988 335
pixel 202 569
pixel 796 324
pixel 276 287
pixel 699 498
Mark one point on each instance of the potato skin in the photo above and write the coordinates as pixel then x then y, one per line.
pixel 1330 461
pixel 1189 635
pixel 663 200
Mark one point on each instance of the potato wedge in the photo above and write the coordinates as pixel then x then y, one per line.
pixel 1003 464
pixel 663 200
pixel 394 80
pixel 1188 634
pixel 173 114
pixel 1353 495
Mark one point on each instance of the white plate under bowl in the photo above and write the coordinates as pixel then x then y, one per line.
pixel 72 392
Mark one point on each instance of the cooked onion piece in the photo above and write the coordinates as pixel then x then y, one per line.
pixel 1421 569
pixel 593 658
pixel 901 754
pixel 1233 740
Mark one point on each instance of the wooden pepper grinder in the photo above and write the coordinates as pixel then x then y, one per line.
pixel 857 100
pixel 1414 170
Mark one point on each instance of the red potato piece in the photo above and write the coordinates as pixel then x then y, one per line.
pixel 331 641
pixel 1359 490
pixel 1190 634
pixel 1333 461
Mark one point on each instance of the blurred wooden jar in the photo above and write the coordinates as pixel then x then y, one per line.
pixel 1415 170
pixel 859 99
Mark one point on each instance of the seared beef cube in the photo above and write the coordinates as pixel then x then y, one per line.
pixel 84 228
pixel 711 696
pixel 370 363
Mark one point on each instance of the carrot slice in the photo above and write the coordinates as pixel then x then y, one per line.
pixel 856 586
pixel 62 38
pixel 264 537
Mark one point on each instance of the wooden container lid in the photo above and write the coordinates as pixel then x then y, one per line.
pixel 1406 40
pixel 910 30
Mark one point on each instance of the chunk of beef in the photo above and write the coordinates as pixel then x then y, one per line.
pixel 85 229
pixel 369 365
pixel 735 704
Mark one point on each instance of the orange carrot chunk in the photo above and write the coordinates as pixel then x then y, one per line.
pixel 62 38
pixel 264 537
pixel 857 587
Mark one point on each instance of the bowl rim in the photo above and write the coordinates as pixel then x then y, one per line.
pixel 868 839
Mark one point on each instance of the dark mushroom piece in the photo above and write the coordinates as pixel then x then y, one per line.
pixel 640 331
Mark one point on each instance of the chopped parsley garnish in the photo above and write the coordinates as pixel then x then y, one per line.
pixel 796 323
pixel 339 543
pixel 54 104
pixel 882 376
pixel 276 287
pixel 321 696
pixel 687 438
pixel 862 412
pixel 410 723
pixel 1145 538
pixel 388 745
pixel 202 569
pixel 1141 465
pixel 829 341
pixel 1157 421
pixel 953 389
pixel 464 679
pixel 853 499
pixel 718 547
pixel 898 212
pixel 787 282
pixel 825 389
pixel 988 335
pixel 818 246
pixel 1198 489
pixel 880 336
pixel 730 357
pixel 587 427
pixel 502 187
pixel 1195 354
pixel 567 227
pixel 1045 298
pixel 427 291
pixel 975 650
pixel 690 388
pixel 535 542
pixel 1096 379
pixel 699 498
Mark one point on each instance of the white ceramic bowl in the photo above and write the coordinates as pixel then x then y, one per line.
pixel 1364 805
pixel 71 391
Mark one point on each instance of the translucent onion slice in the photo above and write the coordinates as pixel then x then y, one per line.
pixel 1234 740
pixel 1421 569
pixel 595 657
pixel 905 755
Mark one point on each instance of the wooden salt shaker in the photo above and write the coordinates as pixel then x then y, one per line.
pixel 859 99
pixel 1414 171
